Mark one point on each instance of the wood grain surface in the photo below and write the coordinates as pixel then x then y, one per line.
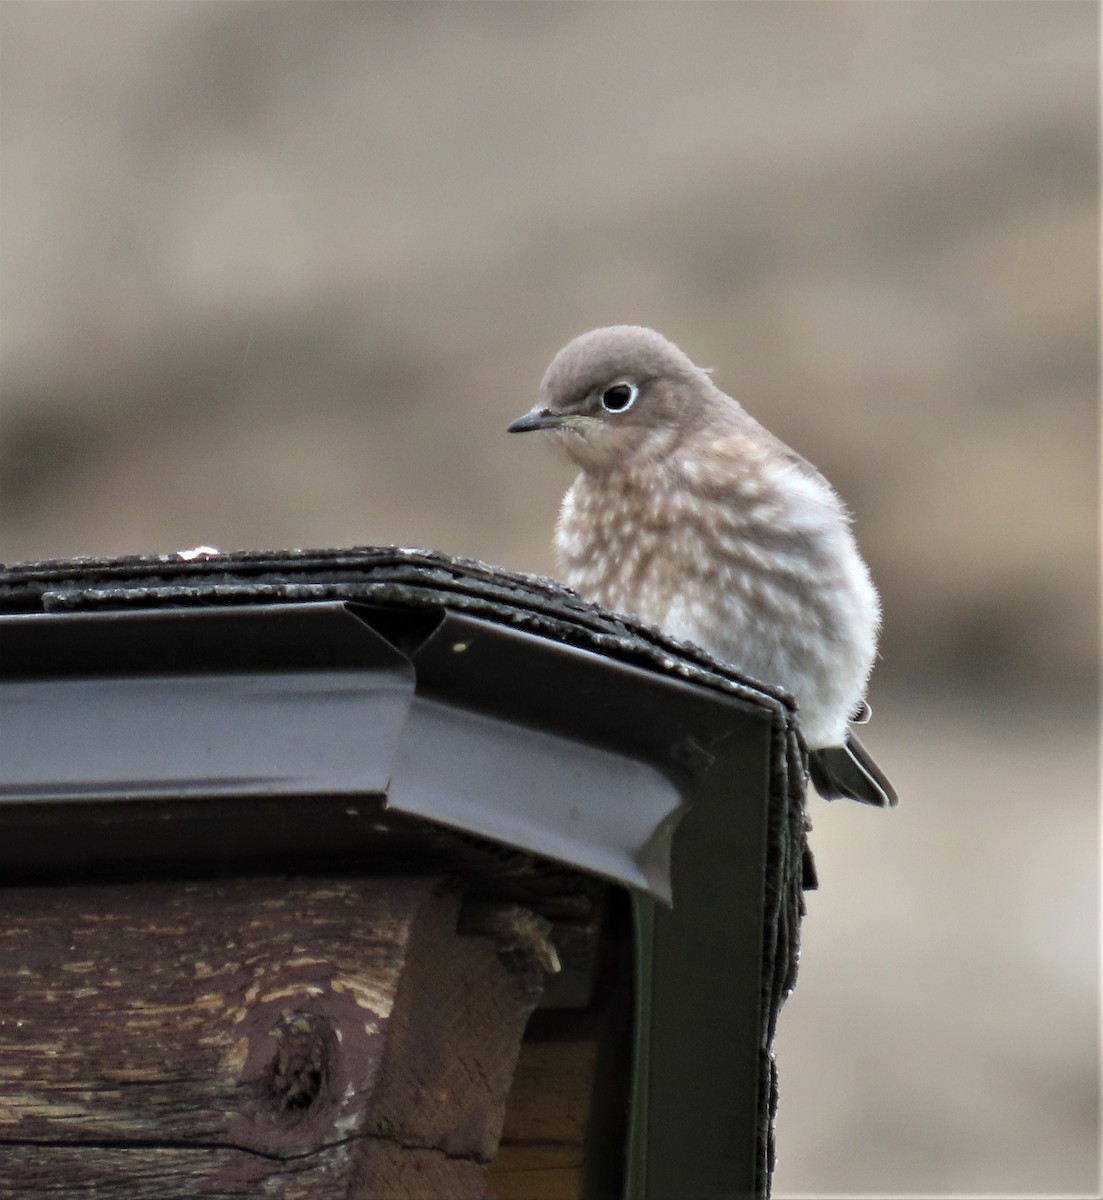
pixel 276 1037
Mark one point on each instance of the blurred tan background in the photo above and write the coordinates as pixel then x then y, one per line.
pixel 280 274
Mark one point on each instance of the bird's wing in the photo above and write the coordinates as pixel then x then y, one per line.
pixel 848 772
pixel 802 464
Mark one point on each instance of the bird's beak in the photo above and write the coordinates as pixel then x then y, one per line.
pixel 538 418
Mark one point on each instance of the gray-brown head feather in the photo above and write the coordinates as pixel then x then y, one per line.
pixel 675 397
pixel 616 351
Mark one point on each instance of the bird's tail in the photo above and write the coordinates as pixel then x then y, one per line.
pixel 848 772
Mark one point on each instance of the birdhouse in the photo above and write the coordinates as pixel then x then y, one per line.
pixel 380 873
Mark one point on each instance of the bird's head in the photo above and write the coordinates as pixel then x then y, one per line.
pixel 620 394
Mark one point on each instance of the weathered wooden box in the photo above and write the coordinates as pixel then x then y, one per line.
pixel 349 874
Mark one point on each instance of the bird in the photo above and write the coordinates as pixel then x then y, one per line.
pixel 687 514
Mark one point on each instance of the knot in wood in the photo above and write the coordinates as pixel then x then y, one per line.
pixel 298 1070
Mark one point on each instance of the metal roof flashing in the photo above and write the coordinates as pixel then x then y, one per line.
pixel 492 703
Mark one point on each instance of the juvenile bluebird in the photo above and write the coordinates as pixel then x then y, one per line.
pixel 689 515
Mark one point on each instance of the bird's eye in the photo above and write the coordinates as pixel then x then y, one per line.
pixel 619 397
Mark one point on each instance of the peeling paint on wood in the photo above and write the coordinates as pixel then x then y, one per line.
pixel 270 1037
